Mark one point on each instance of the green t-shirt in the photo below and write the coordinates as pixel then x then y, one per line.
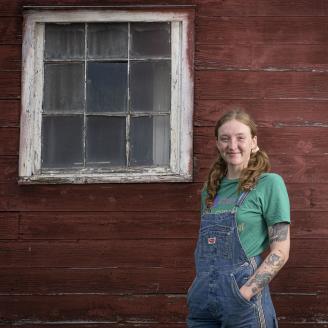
pixel 265 205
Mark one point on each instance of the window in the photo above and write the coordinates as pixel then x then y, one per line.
pixel 107 96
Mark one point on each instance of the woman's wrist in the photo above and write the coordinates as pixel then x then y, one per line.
pixel 246 292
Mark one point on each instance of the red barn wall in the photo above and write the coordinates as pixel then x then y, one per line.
pixel 121 255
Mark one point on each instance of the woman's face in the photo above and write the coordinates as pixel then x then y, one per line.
pixel 235 143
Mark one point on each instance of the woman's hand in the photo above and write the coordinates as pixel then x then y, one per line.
pixel 279 236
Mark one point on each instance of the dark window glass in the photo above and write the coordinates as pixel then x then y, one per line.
pixel 64 41
pixel 63 87
pixel 150 140
pixel 106 141
pixel 150 40
pixel 150 86
pixel 107 40
pixel 62 141
pixel 107 87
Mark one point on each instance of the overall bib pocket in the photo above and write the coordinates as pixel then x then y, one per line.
pixel 215 241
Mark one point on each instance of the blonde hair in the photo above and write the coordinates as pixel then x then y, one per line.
pixel 257 164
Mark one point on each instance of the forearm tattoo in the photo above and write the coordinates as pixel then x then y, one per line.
pixel 260 280
pixel 278 232
pixel 273 263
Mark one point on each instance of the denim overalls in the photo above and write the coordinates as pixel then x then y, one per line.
pixel 222 267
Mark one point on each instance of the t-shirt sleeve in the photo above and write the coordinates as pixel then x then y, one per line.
pixel 275 200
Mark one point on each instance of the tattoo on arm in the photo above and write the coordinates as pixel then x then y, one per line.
pixel 278 232
pixel 273 263
pixel 260 280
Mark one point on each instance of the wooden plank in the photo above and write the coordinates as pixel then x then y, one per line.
pixel 10 7
pixel 101 324
pixel 157 197
pixel 108 225
pixel 261 30
pixel 299 308
pixel 278 8
pixel 212 7
pixel 109 253
pixel 146 280
pixel 301 169
pixel 11 30
pixel 262 57
pixel 8 169
pixel 293 168
pixel 9 141
pixel 298 141
pixel 300 280
pixel 266 112
pixel 311 197
pixel 145 225
pixel 114 309
pixel 111 281
pixel 262 84
pixel 303 324
pixel 9 110
pixel 143 308
pixel 87 324
pixel 309 224
pixel 104 197
pixel 10 57
pixel 169 253
pixel 8 226
pixel 10 84
pixel 216 56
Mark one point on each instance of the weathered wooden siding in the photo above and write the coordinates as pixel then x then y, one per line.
pixel 122 255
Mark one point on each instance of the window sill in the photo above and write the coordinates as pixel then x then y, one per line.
pixel 126 177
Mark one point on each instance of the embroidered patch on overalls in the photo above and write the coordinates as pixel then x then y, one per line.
pixel 211 240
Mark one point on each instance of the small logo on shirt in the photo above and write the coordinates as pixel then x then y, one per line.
pixel 211 240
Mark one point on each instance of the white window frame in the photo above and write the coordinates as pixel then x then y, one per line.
pixel 181 152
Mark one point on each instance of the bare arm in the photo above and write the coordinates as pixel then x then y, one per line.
pixel 279 236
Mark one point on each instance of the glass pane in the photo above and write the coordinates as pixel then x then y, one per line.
pixel 150 85
pixel 108 40
pixel 64 41
pixel 63 88
pixel 150 40
pixel 62 141
pixel 150 140
pixel 106 140
pixel 107 87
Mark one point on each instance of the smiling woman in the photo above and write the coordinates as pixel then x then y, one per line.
pixel 235 144
pixel 245 210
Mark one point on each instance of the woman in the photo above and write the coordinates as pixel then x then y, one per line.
pixel 245 210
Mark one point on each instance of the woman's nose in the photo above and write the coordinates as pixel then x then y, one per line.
pixel 232 143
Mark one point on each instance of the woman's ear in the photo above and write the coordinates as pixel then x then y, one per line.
pixel 254 143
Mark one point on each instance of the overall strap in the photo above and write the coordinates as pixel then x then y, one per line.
pixel 241 198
